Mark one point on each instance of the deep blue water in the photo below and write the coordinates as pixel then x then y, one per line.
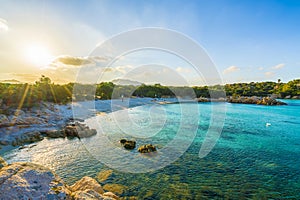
pixel 249 161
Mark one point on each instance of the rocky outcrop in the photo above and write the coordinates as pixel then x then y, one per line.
pixel 110 195
pixel 2 163
pixel 87 195
pixel 87 183
pixel 79 130
pixel 147 148
pixel 270 102
pixel 28 137
pixel 54 133
pixel 128 144
pixel 255 100
pixel 3 120
pixel 32 181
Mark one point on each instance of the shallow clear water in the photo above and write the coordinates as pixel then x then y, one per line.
pixel 250 160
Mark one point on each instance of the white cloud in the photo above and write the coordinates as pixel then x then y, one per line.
pixel 269 74
pixel 3 25
pixel 231 69
pixel 260 68
pixel 183 70
pixel 279 66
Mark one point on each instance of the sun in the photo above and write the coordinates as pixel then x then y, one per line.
pixel 38 55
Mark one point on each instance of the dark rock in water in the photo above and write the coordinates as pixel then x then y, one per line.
pixel 79 130
pixel 122 141
pixel 128 144
pixel 147 148
pixel 71 131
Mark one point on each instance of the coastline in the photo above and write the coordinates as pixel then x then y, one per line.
pixel 130 184
pixel 21 127
pixel 27 126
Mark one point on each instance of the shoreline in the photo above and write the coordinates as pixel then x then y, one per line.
pixel 50 120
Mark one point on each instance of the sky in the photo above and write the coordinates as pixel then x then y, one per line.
pixel 246 40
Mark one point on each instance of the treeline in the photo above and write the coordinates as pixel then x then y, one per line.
pixel 28 95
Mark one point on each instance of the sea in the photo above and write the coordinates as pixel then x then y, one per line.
pixel 211 150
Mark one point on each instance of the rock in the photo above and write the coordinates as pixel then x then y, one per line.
pixel 270 102
pixel 87 183
pixel 31 181
pixel 71 131
pixel 147 148
pixel 128 144
pixel 55 133
pixel 20 120
pixel 87 195
pixel 255 100
pixel 2 163
pixel 115 188
pixel 122 141
pixel 3 120
pixel 4 142
pixel 104 175
pixel 28 137
pixel 110 194
pixel 79 130
pixel 202 99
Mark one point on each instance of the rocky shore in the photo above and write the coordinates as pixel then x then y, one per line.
pixel 18 127
pixel 25 180
pixel 268 101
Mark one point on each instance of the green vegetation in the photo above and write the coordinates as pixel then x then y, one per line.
pixel 28 95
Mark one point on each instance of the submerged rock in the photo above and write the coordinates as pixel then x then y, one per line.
pixel 115 188
pixel 104 175
pixel 31 181
pixel 128 144
pixel 147 148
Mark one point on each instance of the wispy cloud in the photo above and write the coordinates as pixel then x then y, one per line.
pixel 231 69
pixel 260 68
pixel 3 25
pixel 183 70
pixel 269 74
pixel 73 61
pixel 279 66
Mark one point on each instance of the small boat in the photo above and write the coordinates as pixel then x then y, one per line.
pixel 268 124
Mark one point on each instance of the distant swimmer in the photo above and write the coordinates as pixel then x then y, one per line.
pixel 268 124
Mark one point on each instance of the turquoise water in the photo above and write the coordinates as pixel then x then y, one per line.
pixel 249 161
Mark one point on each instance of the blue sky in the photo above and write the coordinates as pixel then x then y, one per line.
pixel 247 40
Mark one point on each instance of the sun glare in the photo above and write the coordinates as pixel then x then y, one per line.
pixel 38 55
